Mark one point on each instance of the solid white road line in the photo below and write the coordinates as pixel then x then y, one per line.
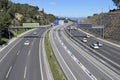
pixel 64 60
pixel 40 61
pixel 25 71
pixel 8 72
pixel 9 51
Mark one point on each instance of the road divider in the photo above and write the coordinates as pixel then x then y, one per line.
pixel 51 59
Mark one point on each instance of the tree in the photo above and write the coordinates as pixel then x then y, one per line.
pixel 117 3
pixel 5 21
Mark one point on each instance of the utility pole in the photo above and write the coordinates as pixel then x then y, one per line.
pixel 103 32
pixel 9 33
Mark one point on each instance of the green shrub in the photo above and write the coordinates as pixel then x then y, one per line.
pixel 3 41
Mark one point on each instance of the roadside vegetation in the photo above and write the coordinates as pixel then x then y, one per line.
pixel 111 22
pixel 13 33
pixel 3 41
pixel 14 14
pixel 52 61
pixel 18 32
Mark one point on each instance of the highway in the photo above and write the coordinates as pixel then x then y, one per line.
pixel 76 62
pixel 109 53
pixel 24 62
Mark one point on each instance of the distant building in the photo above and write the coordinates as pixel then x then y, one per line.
pixel 61 22
pixel 58 22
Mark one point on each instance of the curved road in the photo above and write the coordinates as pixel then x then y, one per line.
pixel 109 53
pixel 76 63
pixel 24 62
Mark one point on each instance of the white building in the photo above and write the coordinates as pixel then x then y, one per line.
pixel 61 22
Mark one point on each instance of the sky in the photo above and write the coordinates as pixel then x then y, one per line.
pixel 71 8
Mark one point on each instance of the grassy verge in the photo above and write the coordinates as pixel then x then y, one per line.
pixel 52 61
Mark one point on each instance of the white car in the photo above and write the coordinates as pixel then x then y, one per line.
pixel 84 40
pixel 99 44
pixel 27 43
pixel 95 46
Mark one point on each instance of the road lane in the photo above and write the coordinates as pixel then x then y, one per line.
pixel 19 71
pixel 73 66
pixel 85 61
pixel 22 61
pixel 9 60
pixel 60 59
pixel 34 72
pixel 111 54
pixel 114 52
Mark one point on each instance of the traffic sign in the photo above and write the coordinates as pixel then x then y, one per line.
pixel 30 25
pixel 84 25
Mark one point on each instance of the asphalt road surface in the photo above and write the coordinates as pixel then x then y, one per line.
pixel 23 62
pixel 76 63
pixel 109 53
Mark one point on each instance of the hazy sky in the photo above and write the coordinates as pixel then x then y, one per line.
pixel 71 8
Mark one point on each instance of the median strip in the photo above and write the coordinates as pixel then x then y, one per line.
pixel 57 75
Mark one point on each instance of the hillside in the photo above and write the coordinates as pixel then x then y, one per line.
pixel 15 14
pixel 110 20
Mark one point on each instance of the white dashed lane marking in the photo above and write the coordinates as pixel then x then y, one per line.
pixel 78 62
pixel 8 72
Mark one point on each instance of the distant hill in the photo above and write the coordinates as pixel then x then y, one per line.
pixel 77 18
pixel 20 13
pixel 110 20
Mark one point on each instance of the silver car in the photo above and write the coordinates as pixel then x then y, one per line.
pixel 84 40
pixel 95 46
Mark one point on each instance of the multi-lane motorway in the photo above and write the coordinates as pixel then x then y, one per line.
pixel 24 62
pixel 79 61
pixel 108 52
